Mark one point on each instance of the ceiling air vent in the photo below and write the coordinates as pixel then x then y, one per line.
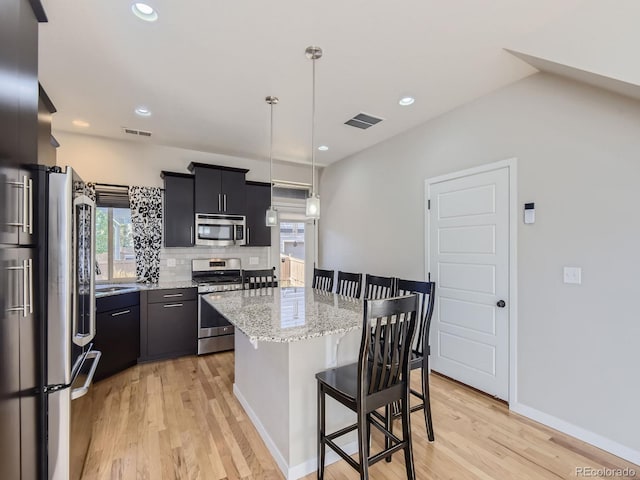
pixel 363 121
pixel 140 133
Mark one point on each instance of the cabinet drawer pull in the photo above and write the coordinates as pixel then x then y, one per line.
pixel 172 295
pixel 172 305
pixel 124 312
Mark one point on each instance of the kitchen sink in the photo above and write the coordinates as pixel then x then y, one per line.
pixel 111 289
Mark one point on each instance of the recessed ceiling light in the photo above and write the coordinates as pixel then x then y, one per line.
pixel 406 101
pixel 144 12
pixel 81 123
pixel 143 111
pixel 323 148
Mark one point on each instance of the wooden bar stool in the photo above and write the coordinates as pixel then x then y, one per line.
pixel 323 279
pixel 349 284
pixel 378 287
pixel 254 279
pixel 378 379
pixel 421 350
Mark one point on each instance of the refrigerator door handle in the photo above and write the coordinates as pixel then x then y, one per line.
pixel 30 266
pixel 28 188
pixel 93 355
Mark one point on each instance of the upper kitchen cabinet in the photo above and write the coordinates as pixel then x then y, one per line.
pixel 179 211
pixel 219 189
pixel 258 201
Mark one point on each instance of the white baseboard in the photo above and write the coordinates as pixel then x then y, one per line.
pixel 296 471
pixel 580 433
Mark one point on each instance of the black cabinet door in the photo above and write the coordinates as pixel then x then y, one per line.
pixel 258 201
pixel 172 328
pixel 208 190
pixel 233 192
pixel 179 211
pixel 118 338
pixel 11 298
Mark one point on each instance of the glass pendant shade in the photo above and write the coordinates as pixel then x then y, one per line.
pixel 313 206
pixel 271 217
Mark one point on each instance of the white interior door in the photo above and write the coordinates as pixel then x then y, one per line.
pixel 468 252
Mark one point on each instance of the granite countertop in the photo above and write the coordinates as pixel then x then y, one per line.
pixel 287 314
pixel 136 287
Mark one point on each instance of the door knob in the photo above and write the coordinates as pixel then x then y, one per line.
pixel 501 304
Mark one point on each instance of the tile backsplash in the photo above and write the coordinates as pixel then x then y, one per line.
pixel 175 263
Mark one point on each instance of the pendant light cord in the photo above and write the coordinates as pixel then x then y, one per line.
pixel 271 156
pixel 313 128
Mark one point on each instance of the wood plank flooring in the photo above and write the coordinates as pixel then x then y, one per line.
pixel 179 420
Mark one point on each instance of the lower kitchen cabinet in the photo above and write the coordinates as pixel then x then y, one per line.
pixel 169 324
pixel 117 333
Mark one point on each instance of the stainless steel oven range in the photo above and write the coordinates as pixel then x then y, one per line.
pixel 215 275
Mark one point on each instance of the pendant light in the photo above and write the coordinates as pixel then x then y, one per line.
pixel 313 202
pixel 271 217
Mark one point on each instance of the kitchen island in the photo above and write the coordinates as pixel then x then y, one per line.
pixel 284 336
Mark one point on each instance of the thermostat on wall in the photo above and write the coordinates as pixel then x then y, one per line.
pixel 529 213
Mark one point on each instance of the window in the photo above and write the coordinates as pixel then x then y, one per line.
pixel 115 257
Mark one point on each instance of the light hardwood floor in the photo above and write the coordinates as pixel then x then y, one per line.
pixel 178 419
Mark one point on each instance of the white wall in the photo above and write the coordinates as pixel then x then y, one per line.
pixel 126 162
pixel 578 149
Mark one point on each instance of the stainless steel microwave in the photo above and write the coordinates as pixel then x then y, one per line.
pixel 220 230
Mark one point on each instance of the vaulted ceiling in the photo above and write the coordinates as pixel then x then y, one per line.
pixel 204 67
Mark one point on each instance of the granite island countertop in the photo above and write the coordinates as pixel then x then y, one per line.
pixel 287 314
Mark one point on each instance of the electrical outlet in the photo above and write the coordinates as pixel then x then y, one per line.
pixel 573 275
pixel 254 260
pixel 171 262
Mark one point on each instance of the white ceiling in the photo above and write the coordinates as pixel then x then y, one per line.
pixel 205 67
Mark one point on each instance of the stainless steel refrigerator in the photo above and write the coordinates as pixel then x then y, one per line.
pixel 71 323
pixel 47 323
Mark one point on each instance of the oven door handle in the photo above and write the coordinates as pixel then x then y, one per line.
pixel 94 355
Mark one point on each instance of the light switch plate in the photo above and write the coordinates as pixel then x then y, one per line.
pixel 573 275
pixel 171 262
pixel 254 260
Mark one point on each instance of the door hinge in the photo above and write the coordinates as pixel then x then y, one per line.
pixel 428 276
pixel 53 388
pixel 429 204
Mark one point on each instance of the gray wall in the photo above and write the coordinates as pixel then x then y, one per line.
pixel 578 149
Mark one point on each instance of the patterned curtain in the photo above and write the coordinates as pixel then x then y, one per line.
pixel 90 190
pixel 146 218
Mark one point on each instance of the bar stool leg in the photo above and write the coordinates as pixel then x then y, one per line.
pixel 427 402
pixel 321 431
pixel 363 445
pixel 388 424
pixel 406 437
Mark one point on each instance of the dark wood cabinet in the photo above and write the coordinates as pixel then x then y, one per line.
pixel 47 145
pixel 258 201
pixel 219 189
pixel 21 408
pixel 179 213
pixel 19 347
pixel 117 333
pixel 169 323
